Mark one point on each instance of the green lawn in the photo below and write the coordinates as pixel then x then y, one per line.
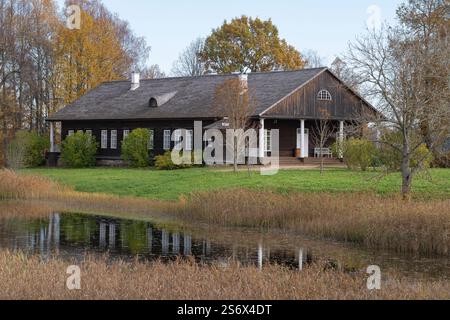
pixel 169 185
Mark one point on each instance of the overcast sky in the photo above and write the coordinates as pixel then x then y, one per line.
pixel 322 25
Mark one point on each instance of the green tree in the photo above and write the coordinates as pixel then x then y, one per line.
pixel 247 44
pixel 79 150
pixel 135 148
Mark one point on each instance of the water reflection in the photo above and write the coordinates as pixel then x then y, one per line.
pixel 73 235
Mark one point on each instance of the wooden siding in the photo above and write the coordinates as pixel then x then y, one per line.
pixel 97 126
pixel 288 133
pixel 303 103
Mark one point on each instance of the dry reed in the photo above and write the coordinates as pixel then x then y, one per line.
pixel 374 221
pixel 25 209
pixel 28 278
pixel 47 193
pixel 421 227
pixel 14 186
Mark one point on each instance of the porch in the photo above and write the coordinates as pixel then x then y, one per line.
pixel 298 142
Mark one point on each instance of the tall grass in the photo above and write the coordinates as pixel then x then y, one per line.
pixel 418 227
pixel 376 222
pixel 28 278
pixel 14 186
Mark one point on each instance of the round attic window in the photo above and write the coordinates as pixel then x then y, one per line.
pixel 153 103
pixel 324 95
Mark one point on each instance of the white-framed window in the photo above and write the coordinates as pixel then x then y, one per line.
pixel 189 140
pixel 268 140
pixel 104 139
pixel 71 133
pixel 113 139
pixel 186 141
pixel 89 132
pixel 166 141
pixel 126 132
pixel 79 131
pixel 178 139
pixel 151 139
pixel 324 95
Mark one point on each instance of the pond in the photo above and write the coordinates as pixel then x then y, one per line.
pixel 73 235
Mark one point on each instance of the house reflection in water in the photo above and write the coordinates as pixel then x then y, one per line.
pixel 73 235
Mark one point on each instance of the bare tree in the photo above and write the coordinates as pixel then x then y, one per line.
pixel 43 66
pixel 396 72
pixel 321 135
pixel 236 103
pixel 152 72
pixel 189 63
pixel 343 71
pixel 313 59
pixel 428 23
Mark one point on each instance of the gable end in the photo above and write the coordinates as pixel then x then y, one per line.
pixel 304 102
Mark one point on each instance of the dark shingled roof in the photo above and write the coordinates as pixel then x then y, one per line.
pixel 188 97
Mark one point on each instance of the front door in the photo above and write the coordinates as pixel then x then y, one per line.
pixel 299 140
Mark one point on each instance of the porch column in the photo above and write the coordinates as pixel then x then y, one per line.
pixel 302 139
pixel 52 137
pixel 341 139
pixel 262 141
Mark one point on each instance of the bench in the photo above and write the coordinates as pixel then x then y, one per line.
pixel 323 152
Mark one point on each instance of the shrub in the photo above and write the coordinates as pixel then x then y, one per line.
pixel 391 158
pixel 135 148
pixel 358 153
pixel 422 153
pixel 36 148
pixel 27 149
pixel 164 162
pixel 442 160
pixel 78 150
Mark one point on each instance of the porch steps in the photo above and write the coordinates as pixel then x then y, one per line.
pixel 292 161
pixel 326 161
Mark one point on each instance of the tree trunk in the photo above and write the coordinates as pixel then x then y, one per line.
pixel 4 141
pixel 322 159
pixel 235 160
pixel 4 159
pixel 406 174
